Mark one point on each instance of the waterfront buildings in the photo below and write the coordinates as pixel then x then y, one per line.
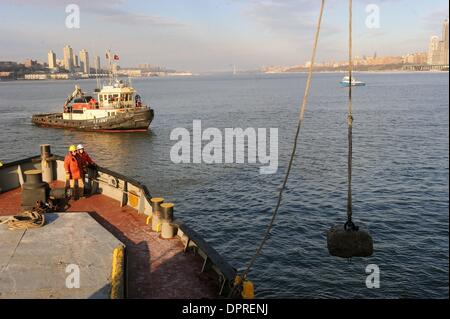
pixel 84 61
pixel 71 62
pixel 438 48
pixel 29 63
pixel 416 58
pixel 68 58
pixel 434 50
pixel 97 65
pixel 76 63
pixel 445 39
pixel 51 60
pixel 36 76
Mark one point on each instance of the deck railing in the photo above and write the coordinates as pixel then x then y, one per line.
pixel 129 192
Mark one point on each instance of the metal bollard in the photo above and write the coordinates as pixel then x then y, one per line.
pixel 156 216
pixel 47 163
pixel 156 202
pixel 167 229
pixel 34 189
pixel 167 212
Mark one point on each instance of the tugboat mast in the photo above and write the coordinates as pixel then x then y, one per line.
pixel 112 73
pixel 108 55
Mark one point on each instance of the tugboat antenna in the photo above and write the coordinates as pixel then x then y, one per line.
pixel 110 67
pixel 96 74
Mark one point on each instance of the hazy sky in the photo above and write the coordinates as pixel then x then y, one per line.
pixel 210 35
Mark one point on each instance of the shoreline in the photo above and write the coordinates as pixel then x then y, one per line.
pixel 374 72
pixel 100 78
pixel 242 73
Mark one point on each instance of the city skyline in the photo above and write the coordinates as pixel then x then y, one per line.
pixel 248 34
pixel 71 62
pixel 436 56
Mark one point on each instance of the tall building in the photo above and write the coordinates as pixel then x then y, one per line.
pixel 51 60
pixel 84 61
pixel 76 63
pixel 97 65
pixel 29 63
pixel 145 66
pixel 68 58
pixel 438 49
pixel 434 52
pixel 445 40
pixel 415 58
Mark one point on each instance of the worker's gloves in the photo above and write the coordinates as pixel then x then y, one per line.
pixel 67 176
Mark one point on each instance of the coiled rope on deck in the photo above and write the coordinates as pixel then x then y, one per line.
pixel 294 149
pixel 28 219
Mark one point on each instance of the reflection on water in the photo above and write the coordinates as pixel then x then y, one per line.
pixel 118 149
pixel 400 172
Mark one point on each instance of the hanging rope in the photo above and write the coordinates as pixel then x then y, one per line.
pixel 349 241
pixel 294 148
pixel 349 225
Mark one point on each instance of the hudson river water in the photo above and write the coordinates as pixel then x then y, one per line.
pixel 400 187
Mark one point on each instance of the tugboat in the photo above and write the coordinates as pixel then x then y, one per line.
pixel 116 107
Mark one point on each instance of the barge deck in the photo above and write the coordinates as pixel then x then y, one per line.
pixel 184 267
pixel 156 268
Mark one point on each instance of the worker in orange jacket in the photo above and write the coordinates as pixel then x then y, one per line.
pixel 89 167
pixel 74 172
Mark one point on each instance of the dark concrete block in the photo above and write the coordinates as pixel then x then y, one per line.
pixel 347 244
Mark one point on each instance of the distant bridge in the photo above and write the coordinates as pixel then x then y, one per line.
pixel 425 67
